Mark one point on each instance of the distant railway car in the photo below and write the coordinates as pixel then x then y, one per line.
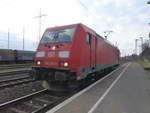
pixel 24 56
pixel 6 56
pixel 72 53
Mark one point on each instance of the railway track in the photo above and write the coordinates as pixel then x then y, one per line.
pixel 15 81
pixel 14 66
pixel 14 72
pixel 14 78
pixel 32 102
pixel 36 102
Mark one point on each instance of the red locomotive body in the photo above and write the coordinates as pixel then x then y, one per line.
pixel 71 53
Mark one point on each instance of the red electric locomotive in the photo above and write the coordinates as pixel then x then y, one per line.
pixel 71 53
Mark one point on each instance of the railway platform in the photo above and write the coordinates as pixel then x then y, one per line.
pixel 125 90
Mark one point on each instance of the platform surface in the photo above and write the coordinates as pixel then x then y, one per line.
pixel 126 90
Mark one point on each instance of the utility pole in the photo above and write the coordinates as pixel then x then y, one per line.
pixel 8 38
pixel 106 33
pixel 149 40
pixel 40 18
pixel 136 40
pixel 23 37
pixel 148 2
pixel 141 44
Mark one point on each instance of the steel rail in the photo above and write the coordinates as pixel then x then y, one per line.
pixel 21 98
pixel 16 83
pixel 14 79
pixel 14 72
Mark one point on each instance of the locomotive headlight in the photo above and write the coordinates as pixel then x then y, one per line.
pixel 38 62
pixel 64 54
pixel 64 64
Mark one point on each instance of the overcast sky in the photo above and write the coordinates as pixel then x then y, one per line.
pixel 127 18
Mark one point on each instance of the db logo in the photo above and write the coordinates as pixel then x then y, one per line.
pixel 51 54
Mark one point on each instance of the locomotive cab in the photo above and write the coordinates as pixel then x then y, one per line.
pixel 54 57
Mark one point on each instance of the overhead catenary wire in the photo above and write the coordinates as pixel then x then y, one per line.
pixel 87 9
pixel 93 13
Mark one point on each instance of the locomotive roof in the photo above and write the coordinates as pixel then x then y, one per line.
pixel 75 25
pixel 84 27
pixel 97 35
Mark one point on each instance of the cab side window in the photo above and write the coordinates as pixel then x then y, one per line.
pixel 88 38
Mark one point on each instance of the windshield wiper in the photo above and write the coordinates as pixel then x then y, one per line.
pixel 56 39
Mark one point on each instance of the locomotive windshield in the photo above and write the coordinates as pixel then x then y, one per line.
pixel 63 35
